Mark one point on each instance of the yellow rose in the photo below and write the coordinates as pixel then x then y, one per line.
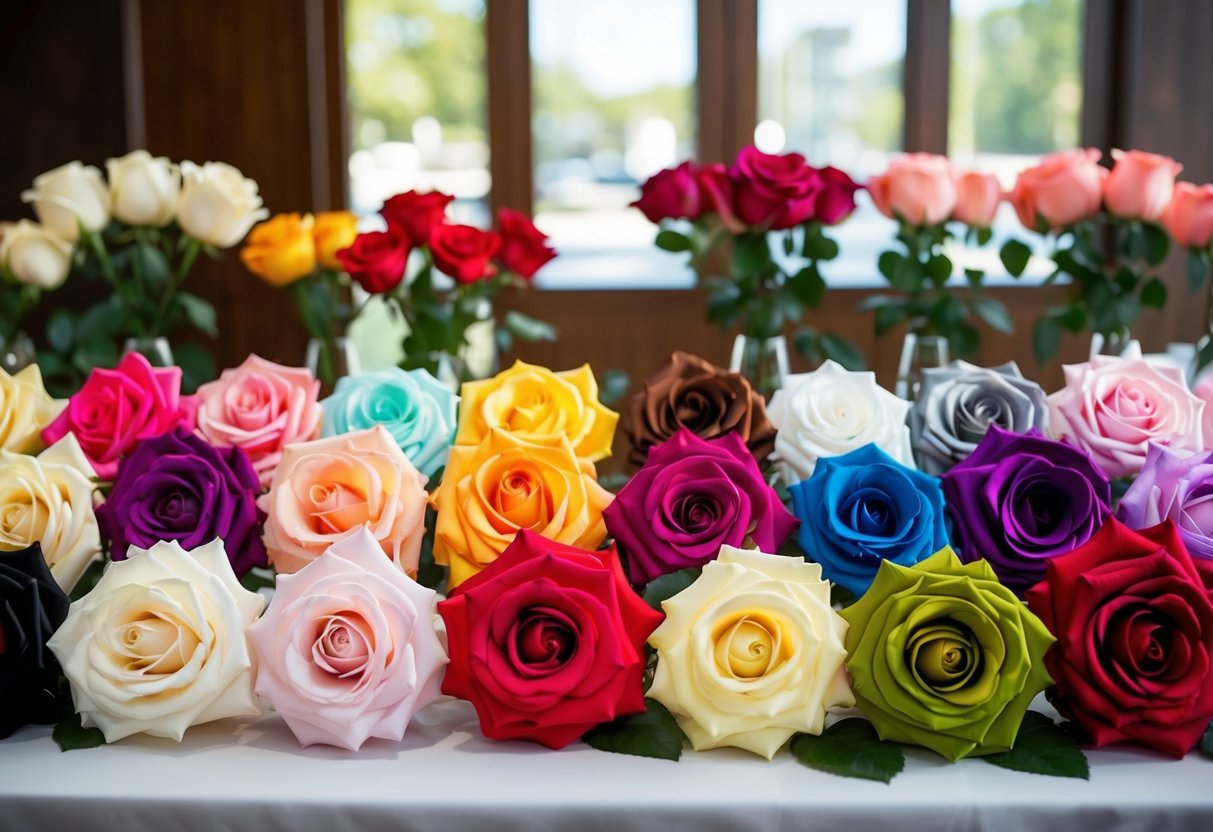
pixel 281 250
pixel 25 409
pixel 493 489
pixel 539 406
pixel 333 231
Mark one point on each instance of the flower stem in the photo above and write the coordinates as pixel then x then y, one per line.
pixel 192 247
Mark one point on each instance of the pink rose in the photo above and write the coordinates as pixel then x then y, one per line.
pixel 1114 407
pixel 673 193
pixel 1189 215
pixel 718 194
pixel 978 196
pixel 116 408
pixel 325 490
pixel 347 649
pixel 1140 184
pixel 260 407
pixel 919 188
pixel 1063 189
pixel 772 191
pixel 1204 391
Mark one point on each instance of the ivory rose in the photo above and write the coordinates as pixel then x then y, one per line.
pixel 68 198
pixel 143 189
pixel 918 188
pixel 751 653
pixel 1140 184
pixel 159 644
pixel 25 409
pixel 218 204
pixel 1063 189
pixel 260 407
pixel 33 255
pixel 1189 215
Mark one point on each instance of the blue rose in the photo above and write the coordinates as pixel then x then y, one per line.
pixel 864 507
pixel 415 408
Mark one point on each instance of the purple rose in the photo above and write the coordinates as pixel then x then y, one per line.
pixel 179 487
pixel 1020 499
pixel 1174 485
pixel 691 497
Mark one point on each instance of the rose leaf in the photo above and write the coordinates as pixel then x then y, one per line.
pixel 69 734
pixel 850 748
pixel 1041 747
pixel 654 733
pixel 667 586
pixel 1206 741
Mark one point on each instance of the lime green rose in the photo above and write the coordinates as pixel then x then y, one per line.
pixel 944 656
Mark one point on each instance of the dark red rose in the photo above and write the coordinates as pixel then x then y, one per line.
pixel 673 193
pixel 417 213
pixel 377 259
pixel 836 201
pixel 547 642
pixel 524 247
pixel 774 192
pixel 464 252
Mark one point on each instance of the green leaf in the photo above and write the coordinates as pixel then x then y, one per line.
pixel 809 286
pixel 70 735
pixel 723 302
pixel 199 313
pixel 60 331
pixel 1126 279
pixel 964 339
pixel 1041 747
pixel 92 574
pixel 888 317
pixel 993 312
pixel 817 246
pixel 888 263
pixel 668 240
pixel 1046 338
pixel 613 386
pixel 843 351
pixel 751 253
pixel 256 579
pixel 89 356
pixel 1156 241
pixel 1154 294
pixel 654 733
pixel 151 264
pixel 1198 269
pixel 984 235
pixel 1015 256
pixel 667 586
pixel 102 321
pixel 939 268
pixel 807 343
pixel 527 328
pixel 850 748
pixel 1206 742
pixel 1073 317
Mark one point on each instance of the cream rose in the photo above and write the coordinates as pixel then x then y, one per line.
pixel 69 197
pixel 832 411
pixel 143 189
pixel 325 490
pixel 218 205
pixel 159 644
pixel 33 255
pixel 48 499
pixel 25 409
pixel 751 653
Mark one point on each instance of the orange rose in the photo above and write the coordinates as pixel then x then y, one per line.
pixel 333 231
pixel 281 250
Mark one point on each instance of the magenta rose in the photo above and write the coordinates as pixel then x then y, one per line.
pixel 691 497
pixel 673 193
pixel 836 201
pixel 774 192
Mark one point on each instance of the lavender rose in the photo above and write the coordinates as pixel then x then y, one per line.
pixel 691 497
pixel 1174 485
pixel 179 487
pixel 1020 499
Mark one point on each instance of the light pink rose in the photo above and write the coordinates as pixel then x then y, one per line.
pixel 260 407
pixel 1189 215
pixel 1064 188
pixel 1140 184
pixel 1114 407
pixel 325 490
pixel 1204 391
pixel 116 408
pixel 978 196
pixel 347 649
pixel 919 188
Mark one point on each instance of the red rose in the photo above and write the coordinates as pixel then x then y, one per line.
pixel 418 214
pixel 774 191
pixel 377 259
pixel 547 642
pixel 719 193
pixel 463 252
pixel 673 193
pixel 524 247
pixel 1134 626
pixel 837 198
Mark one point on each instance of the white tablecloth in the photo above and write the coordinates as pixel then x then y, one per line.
pixel 252 775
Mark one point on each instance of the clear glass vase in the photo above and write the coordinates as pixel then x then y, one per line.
pixel 331 360
pixel 919 352
pixel 1118 343
pixel 17 354
pixel 764 361
pixel 156 350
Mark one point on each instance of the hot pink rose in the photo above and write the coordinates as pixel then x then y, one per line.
pixel 1140 184
pixel 1063 189
pixel 260 407
pixel 325 490
pixel 772 191
pixel 978 196
pixel 673 193
pixel 919 188
pixel 1114 407
pixel 836 201
pixel 116 408
pixel 1189 215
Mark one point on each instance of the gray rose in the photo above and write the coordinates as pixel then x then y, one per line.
pixel 958 403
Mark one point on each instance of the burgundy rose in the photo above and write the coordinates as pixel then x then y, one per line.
pixel 774 192
pixel 524 247
pixel 464 252
pixel 673 193
pixel 417 214
pixel 377 259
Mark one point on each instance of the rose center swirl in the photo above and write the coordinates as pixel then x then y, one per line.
pixel 542 640
pixel 750 647
pixel 943 655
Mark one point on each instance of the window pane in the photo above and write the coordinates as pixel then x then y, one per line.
pixel 830 87
pixel 613 92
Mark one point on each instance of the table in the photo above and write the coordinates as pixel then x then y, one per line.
pixel 252 775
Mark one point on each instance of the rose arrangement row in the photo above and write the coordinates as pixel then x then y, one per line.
pixel 545 633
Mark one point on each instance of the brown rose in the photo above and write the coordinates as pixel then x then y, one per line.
pixel 692 393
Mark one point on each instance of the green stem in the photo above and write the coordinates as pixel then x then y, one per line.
pixel 97 245
pixel 192 248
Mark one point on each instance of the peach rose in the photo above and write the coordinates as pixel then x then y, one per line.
pixel 1140 184
pixel 919 188
pixel 325 490
pixel 978 196
pixel 1063 189
pixel 1189 215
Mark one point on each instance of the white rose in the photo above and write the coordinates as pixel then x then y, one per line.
pixel 143 190
pixel 69 197
pixel 25 409
pixel 832 411
pixel 35 256
pixel 48 499
pixel 751 653
pixel 218 204
pixel 159 644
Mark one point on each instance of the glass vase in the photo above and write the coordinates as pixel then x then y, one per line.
pixel 919 352
pixel 763 361
pixel 1117 343
pixel 331 360
pixel 156 350
pixel 17 354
